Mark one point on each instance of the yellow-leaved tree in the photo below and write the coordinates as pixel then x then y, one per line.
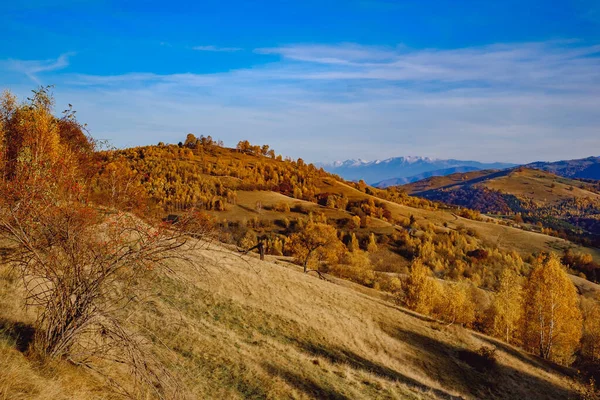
pixel 552 318
pixel 420 289
pixel 315 244
pixel 590 341
pixel 507 308
pixel 356 266
pixel 455 304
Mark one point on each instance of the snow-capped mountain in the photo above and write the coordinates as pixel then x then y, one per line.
pixel 400 167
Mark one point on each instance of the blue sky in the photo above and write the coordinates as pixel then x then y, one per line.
pixel 513 81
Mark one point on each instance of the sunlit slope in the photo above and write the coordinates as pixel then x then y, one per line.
pixel 506 237
pixel 543 188
pixel 241 328
pixel 207 170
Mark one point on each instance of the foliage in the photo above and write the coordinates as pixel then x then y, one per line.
pixel 421 291
pixel 590 340
pixel 80 262
pixel 552 319
pixel 315 244
pixel 355 266
pixel 455 304
pixel 507 307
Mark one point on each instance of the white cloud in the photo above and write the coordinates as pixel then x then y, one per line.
pixel 32 68
pixel 217 49
pixel 502 102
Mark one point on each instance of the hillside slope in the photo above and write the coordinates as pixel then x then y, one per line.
pixel 440 172
pixel 242 328
pixel 585 168
pixel 556 202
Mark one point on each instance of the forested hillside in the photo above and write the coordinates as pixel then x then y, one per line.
pixel 542 201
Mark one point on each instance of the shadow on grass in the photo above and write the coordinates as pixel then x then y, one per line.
pixel 465 371
pixel 18 332
pixel 337 355
pixel 525 358
pixel 305 384
pixel 406 311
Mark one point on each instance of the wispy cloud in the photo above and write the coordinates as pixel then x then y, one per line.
pixel 32 68
pixel 217 49
pixel 549 64
pixel 513 102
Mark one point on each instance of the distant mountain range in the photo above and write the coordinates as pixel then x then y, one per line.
pixel 404 170
pixel 401 170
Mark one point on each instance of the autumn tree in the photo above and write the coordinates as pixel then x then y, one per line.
pixel 356 266
pixel 353 243
pixel 243 146
pixel 590 340
pixel 372 243
pixel 507 308
pixel 420 289
pixel 316 243
pixel 455 304
pixel 80 263
pixel 190 141
pixel 552 319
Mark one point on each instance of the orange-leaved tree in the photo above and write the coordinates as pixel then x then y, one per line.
pixel 421 291
pixel 81 263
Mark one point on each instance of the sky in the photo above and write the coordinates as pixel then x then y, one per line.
pixel 511 81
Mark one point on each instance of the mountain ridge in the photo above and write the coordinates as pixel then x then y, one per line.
pixel 373 172
pixel 408 169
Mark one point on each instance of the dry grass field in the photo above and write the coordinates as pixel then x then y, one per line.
pixel 241 328
pixel 543 187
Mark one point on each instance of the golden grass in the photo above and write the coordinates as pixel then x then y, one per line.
pixel 250 329
pixel 246 208
pixel 543 187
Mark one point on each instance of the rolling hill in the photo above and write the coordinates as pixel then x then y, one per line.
pixel 130 273
pixel 541 197
pixel 251 188
pixel 440 172
pixel 235 327
pixel 242 328
pixel 584 168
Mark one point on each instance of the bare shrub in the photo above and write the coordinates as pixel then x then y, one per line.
pixel 81 264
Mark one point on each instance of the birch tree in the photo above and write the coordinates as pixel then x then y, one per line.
pixel 552 318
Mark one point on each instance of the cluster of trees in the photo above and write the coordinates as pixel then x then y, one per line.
pixel 244 146
pixel 540 312
pixel 192 142
pixel 582 263
pixel 457 255
pixel 191 176
pixel 478 198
